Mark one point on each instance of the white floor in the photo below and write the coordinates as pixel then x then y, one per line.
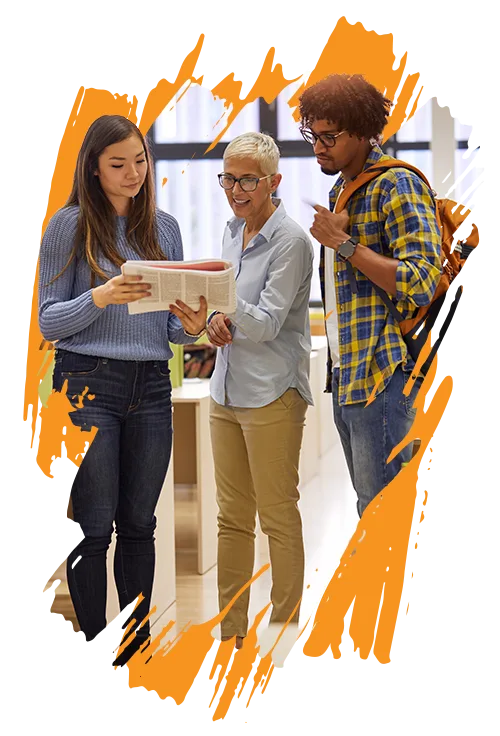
pixel 328 507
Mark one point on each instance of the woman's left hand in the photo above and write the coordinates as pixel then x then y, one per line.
pixel 192 322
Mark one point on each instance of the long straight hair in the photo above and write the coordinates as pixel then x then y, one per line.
pixel 96 229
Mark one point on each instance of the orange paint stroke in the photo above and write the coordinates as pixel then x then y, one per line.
pixel 376 55
pixel 382 536
pixel 243 663
pixel 380 542
pixel 373 396
pixel 431 373
pixel 128 628
pixel 147 618
pixel 128 636
pixel 265 667
pixel 242 667
pixel 59 429
pixel 374 58
pixel 421 424
pixel 164 92
pixel 271 80
pixel 138 601
pixel 171 670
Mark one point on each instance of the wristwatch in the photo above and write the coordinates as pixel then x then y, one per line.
pixel 346 249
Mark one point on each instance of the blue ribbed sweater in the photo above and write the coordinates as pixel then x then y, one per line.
pixel 66 310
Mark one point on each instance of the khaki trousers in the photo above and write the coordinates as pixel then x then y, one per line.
pixel 256 459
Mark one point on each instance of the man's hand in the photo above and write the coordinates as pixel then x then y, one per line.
pixel 329 228
pixel 218 332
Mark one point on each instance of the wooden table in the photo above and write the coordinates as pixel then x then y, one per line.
pixel 327 431
pixel 193 462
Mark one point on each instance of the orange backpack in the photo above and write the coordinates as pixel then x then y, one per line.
pixel 450 216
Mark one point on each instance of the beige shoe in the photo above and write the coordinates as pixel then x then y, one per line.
pixel 273 639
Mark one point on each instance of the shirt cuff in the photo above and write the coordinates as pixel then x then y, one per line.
pixel 212 316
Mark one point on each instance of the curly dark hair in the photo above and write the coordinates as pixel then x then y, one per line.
pixel 349 101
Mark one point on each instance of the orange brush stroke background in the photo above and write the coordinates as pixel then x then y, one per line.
pixel 362 576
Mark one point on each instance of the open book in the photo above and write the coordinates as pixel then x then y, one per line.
pixel 185 280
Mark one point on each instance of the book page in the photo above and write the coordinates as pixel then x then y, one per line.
pixel 185 282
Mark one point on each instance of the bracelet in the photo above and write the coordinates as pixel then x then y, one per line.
pixel 200 334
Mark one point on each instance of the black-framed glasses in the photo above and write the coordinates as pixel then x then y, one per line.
pixel 247 183
pixel 327 139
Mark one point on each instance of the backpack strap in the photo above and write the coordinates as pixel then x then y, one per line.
pixel 372 173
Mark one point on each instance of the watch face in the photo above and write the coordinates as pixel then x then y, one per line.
pixel 347 249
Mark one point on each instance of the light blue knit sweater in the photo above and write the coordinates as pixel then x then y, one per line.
pixel 66 310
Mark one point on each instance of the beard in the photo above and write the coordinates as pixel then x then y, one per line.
pixel 330 172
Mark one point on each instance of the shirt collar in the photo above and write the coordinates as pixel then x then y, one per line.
pixel 374 157
pixel 269 227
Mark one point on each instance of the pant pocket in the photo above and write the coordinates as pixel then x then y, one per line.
pixel 290 398
pixel 415 385
pixel 76 364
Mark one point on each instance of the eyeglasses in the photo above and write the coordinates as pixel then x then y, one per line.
pixel 247 183
pixel 327 139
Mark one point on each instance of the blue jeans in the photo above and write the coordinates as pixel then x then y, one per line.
pixel 369 434
pixel 119 480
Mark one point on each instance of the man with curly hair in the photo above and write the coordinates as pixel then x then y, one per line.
pixel 389 237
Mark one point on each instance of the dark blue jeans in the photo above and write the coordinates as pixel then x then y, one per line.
pixel 119 480
pixel 370 433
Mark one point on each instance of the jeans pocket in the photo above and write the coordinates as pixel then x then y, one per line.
pixel 75 364
pixel 162 368
pixel 408 376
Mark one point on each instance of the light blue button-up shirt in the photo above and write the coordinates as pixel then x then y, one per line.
pixel 270 328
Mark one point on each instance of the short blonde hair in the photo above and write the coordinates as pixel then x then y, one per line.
pixel 259 146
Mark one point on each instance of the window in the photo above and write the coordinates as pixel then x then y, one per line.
pixel 287 128
pixel 189 191
pixel 198 117
pixel 468 168
pixel 186 180
pixel 418 128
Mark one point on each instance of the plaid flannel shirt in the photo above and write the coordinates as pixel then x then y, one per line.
pixel 394 215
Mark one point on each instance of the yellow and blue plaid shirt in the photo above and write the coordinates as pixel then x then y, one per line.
pixel 394 215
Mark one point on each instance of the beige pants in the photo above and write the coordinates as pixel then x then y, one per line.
pixel 256 458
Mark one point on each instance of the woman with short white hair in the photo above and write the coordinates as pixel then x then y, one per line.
pixel 260 387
